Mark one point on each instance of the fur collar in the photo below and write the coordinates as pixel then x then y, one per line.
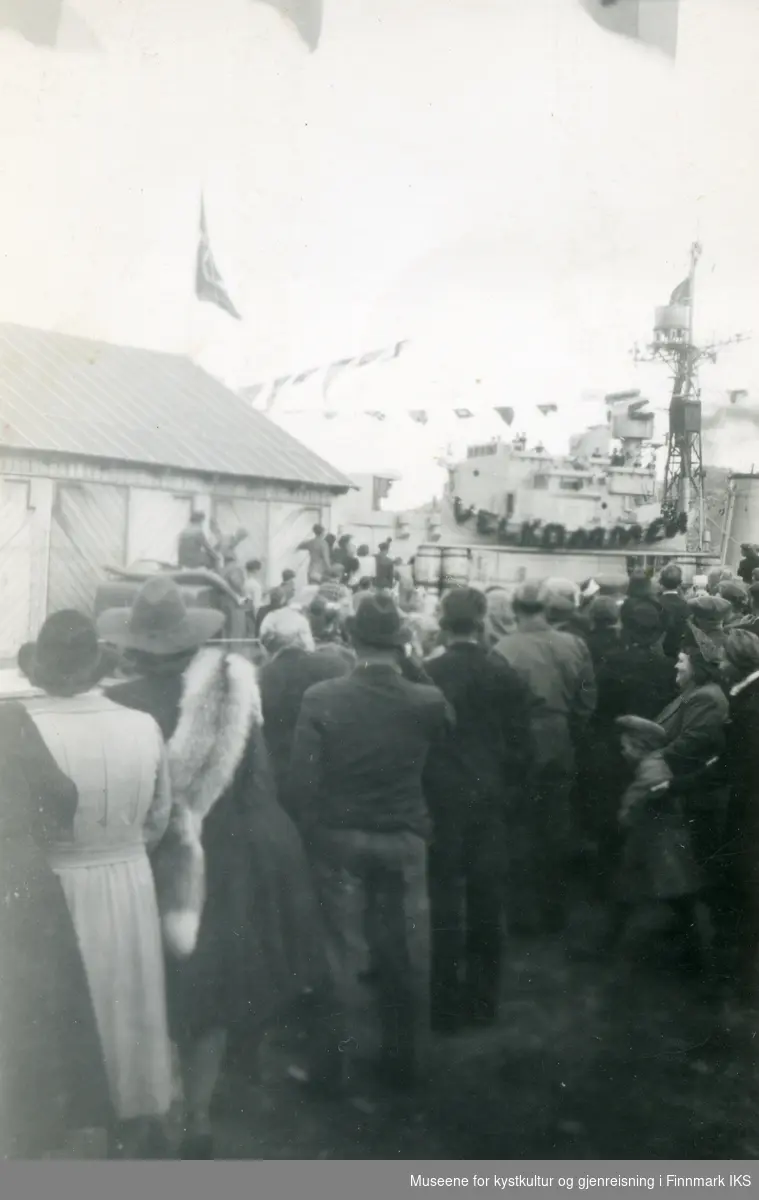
pixel 744 683
pixel 221 703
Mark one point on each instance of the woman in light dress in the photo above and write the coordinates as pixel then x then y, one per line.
pixel 116 759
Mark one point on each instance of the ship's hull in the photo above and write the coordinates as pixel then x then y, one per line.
pixel 438 566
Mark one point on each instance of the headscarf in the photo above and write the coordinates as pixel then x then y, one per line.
pixel 560 594
pixel 742 651
pixel 499 620
pixel 424 631
pixel 286 629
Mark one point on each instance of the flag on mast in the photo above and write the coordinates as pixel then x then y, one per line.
pixel 37 21
pixel 209 285
pixel 305 15
pixel 652 22
pixel 681 294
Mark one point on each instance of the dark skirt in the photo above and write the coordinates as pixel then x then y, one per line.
pixel 260 943
pixel 657 862
pixel 52 1075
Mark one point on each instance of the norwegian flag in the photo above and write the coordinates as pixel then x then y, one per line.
pixel 209 285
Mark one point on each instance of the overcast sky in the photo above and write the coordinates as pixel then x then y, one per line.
pixel 503 183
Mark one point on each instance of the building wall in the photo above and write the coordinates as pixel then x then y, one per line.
pixel 63 522
pixel 355 513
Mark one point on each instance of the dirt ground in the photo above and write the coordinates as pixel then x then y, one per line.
pixel 609 1060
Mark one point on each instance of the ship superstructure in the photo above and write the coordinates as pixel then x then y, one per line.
pixel 601 495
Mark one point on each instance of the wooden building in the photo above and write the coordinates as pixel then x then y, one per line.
pixel 104 452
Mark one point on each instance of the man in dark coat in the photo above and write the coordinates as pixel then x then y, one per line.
pixel 284 680
pixel 194 549
pixel 319 557
pixel 486 756
pixel 359 751
pixel 385 568
pixel 602 637
pixel 740 672
pixel 674 609
pixel 558 670
pixel 636 679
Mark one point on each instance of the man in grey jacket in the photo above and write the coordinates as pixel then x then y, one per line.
pixel 558 670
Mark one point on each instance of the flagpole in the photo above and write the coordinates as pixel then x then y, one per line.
pixel 695 254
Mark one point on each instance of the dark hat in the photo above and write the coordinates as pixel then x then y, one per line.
pixel 642 619
pixel 709 611
pixel 377 623
pixel 529 596
pixel 646 734
pixel 463 608
pixel 735 592
pixel 603 611
pixel 742 650
pixel 159 622
pixel 67 657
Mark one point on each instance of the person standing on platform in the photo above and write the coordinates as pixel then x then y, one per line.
pixel 194 551
pixel 319 559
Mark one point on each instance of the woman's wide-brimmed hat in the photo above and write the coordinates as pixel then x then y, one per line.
pixel 709 611
pixel 695 639
pixel 66 658
pixel 159 621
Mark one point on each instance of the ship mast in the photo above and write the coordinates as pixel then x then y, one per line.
pixel 684 471
pixel 683 500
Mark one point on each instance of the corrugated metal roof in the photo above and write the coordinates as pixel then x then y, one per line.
pixel 73 396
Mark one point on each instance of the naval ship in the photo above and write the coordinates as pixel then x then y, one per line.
pixel 511 511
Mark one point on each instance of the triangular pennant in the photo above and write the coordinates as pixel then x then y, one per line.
pixel 305 15
pixel 332 371
pixel 419 415
pixel 545 409
pixel 276 388
pixel 651 22
pixel 506 414
pixel 37 21
pixel 463 413
pixel 209 285
pixel 378 416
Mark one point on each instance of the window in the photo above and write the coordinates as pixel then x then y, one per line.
pixel 540 482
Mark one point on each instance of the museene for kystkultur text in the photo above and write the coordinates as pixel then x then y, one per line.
pixel 582 1181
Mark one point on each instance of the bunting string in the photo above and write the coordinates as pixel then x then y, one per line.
pixel 266 395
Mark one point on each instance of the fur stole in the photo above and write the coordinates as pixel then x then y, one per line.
pixel 220 705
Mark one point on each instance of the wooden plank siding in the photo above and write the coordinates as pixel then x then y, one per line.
pixel 88 532
pixel 16 519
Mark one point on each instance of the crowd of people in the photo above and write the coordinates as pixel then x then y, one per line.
pixel 192 843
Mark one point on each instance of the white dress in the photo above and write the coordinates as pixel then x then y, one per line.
pixel 117 760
